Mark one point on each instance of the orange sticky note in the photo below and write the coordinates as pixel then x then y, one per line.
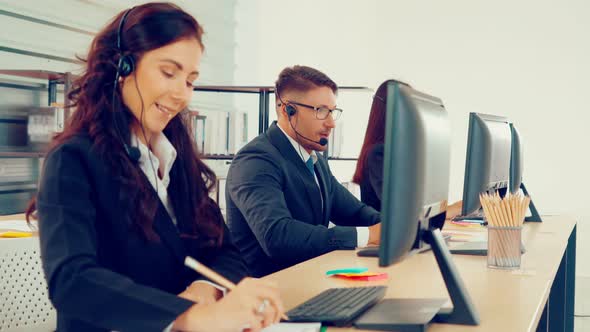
pixel 362 274
pixel 366 276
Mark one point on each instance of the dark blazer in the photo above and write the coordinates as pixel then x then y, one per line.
pixel 372 180
pixel 102 275
pixel 274 208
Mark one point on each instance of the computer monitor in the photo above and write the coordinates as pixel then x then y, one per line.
pixel 516 170
pixel 487 164
pixel 415 192
pixel 416 170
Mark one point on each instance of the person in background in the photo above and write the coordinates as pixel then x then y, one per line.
pixel 124 197
pixel 369 168
pixel 281 195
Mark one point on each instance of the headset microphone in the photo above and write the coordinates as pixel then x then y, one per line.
pixel 323 141
pixel 291 110
pixel 133 153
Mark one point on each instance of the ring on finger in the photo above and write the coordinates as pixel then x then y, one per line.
pixel 262 307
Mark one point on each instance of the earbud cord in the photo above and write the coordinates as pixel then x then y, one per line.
pixel 148 143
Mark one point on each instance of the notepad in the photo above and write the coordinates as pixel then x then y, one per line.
pixel 465 236
pixel 17 225
pixel 294 327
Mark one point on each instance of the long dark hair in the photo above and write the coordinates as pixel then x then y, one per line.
pixel 375 133
pixel 147 27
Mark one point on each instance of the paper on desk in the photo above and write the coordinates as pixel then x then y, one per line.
pixel 294 327
pixel 17 225
pixel 465 236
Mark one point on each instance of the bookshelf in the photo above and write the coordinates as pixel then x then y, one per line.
pixel 61 113
pixel 25 132
pixel 28 129
pixel 22 155
pixel 263 93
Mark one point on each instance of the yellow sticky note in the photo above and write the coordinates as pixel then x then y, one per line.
pixel 14 234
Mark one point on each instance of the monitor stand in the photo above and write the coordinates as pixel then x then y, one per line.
pixel 476 248
pixel 535 216
pixel 463 312
pixel 373 251
pixel 476 216
pixel 368 252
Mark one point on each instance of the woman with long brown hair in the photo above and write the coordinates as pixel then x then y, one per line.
pixel 369 167
pixel 124 197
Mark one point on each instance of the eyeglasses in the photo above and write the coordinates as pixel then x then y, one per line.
pixel 321 113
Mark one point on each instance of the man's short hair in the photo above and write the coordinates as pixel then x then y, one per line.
pixel 302 79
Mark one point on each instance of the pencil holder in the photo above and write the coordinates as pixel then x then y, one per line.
pixel 504 247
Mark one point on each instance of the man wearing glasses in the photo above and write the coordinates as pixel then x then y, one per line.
pixel 281 195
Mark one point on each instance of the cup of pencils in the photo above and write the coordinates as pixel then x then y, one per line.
pixel 505 217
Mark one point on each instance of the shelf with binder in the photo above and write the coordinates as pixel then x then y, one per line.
pixel 263 93
pixel 53 80
pixel 217 134
pixel 25 132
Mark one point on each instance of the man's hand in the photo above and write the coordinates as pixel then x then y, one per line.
pixel 454 210
pixel 374 234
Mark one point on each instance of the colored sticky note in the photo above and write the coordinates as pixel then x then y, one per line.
pixel 363 274
pixel 347 270
pixel 364 277
pixel 14 234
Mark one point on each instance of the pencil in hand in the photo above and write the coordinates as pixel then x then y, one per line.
pixel 216 277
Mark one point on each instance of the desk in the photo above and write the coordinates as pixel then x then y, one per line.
pixel 13 217
pixel 538 298
pixel 24 304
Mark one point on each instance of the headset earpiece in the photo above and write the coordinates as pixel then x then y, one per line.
pixel 290 109
pixel 126 65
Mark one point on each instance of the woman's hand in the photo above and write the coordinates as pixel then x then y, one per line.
pixel 252 305
pixel 201 293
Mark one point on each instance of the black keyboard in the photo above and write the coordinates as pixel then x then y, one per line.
pixel 337 306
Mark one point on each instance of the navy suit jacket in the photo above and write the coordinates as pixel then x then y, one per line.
pixel 102 275
pixel 274 208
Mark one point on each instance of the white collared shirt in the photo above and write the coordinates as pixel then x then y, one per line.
pixel 303 153
pixel 362 233
pixel 162 158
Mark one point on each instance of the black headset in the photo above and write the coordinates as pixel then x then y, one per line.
pixel 125 67
pixel 126 61
pixel 291 110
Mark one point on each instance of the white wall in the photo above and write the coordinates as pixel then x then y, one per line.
pixel 527 60
pixel 20 32
pixel 333 36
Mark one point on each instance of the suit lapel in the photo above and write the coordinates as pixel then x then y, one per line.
pixel 278 139
pixel 322 174
pixel 164 226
